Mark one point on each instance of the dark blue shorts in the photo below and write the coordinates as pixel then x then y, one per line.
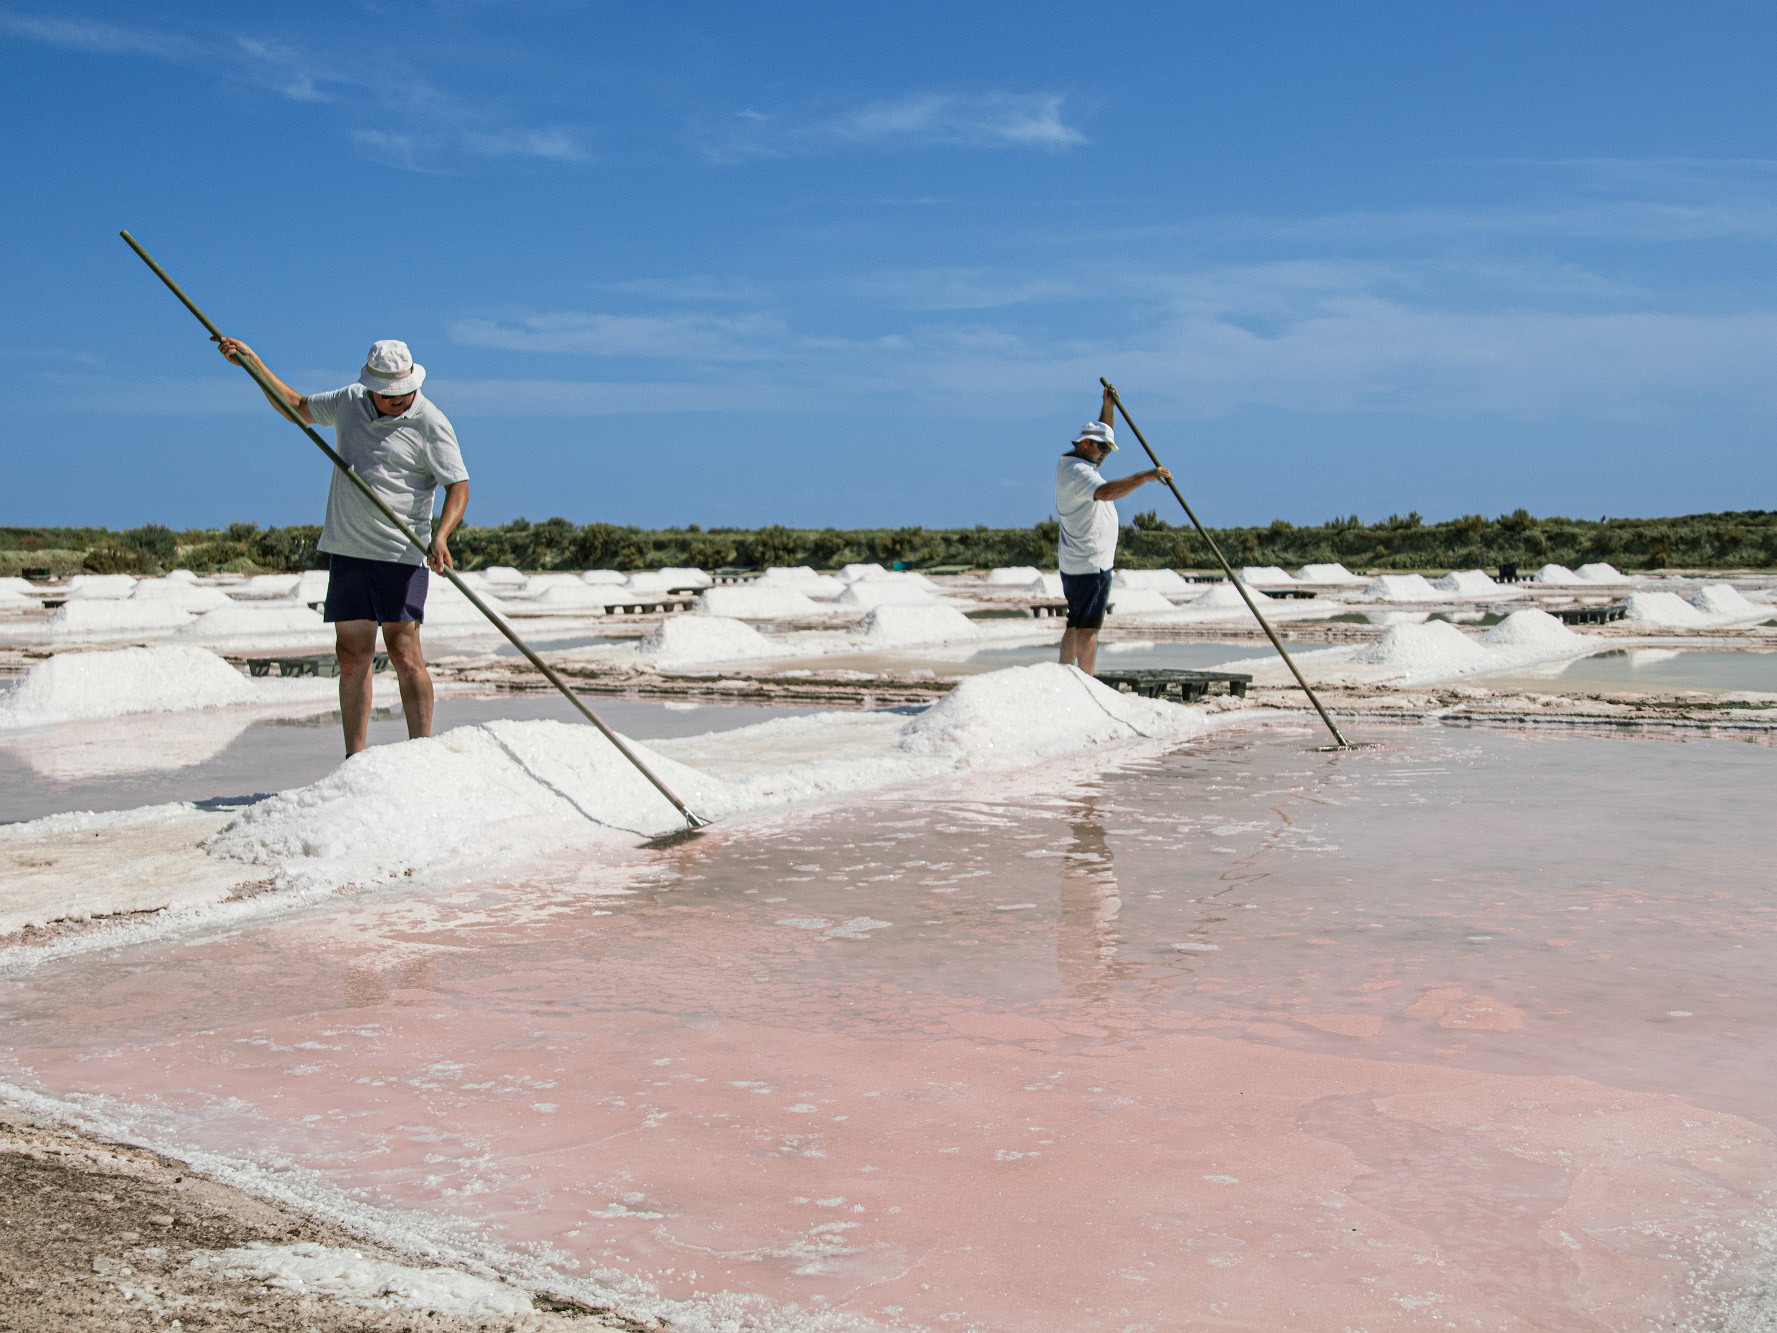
pixel 1088 598
pixel 385 591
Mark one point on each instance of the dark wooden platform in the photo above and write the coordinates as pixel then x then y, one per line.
pixel 1185 686
pixel 1288 594
pixel 649 606
pixel 315 664
pixel 1590 615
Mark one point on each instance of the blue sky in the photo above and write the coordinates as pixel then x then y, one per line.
pixel 727 264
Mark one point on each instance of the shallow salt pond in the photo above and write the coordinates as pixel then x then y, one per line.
pixel 1471 1029
pixel 228 753
pixel 1658 669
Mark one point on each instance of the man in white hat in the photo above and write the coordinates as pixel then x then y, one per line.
pixel 1083 503
pixel 403 446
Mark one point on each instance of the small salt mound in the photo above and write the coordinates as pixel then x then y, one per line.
pixel 1268 575
pixel 852 573
pixel 1559 574
pixel 804 580
pixel 1155 580
pixel 346 1275
pixel 1224 596
pixel 1530 628
pixel 269 585
pixel 1400 588
pixel 1600 573
pixel 503 576
pixel 72 686
pixel 1434 648
pixel 793 573
pixel 101 587
pixel 602 576
pixel 750 601
pixel 1662 608
pixel 25 586
pixel 681 576
pixel 649 581
pixel 1333 573
pixel 894 623
pixel 683 640
pixel 573 593
pixel 310 587
pixel 183 575
pixel 538 584
pixel 882 592
pixel 253 622
pixel 905 577
pixel 185 596
pixel 114 617
pixel 1046 585
pixel 16 600
pixel 1137 601
pixel 1466 581
pixel 1024 714
pixel 1725 600
pixel 1014 576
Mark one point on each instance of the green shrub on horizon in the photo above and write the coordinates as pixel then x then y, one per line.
pixel 1744 539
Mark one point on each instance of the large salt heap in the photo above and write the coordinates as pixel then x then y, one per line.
pixel 692 639
pixel 109 619
pixel 1327 573
pixel 1400 588
pixel 753 601
pixel 1467 583
pixel 1127 601
pixel 887 592
pixel 1013 576
pixel 257 624
pixel 100 587
pixel 74 686
pixel 895 623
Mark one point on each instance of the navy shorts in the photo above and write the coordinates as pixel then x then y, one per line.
pixel 1088 598
pixel 385 591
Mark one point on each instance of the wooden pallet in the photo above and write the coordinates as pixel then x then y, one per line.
pixel 1590 615
pixel 314 664
pixel 1186 686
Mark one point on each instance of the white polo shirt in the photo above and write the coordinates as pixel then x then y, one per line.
pixel 1088 526
pixel 404 458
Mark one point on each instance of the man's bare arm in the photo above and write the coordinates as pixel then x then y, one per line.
pixel 1108 413
pixel 293 404
pixel 1116 490
pixel 456 500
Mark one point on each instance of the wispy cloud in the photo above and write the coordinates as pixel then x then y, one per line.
pixel 924 119
pixel 422 129
pixel 674 337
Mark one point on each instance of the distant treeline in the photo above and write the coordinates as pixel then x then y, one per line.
pixel 1745 540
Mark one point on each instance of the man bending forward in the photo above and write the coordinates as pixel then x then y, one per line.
pixel 1089 533
pixel 405 449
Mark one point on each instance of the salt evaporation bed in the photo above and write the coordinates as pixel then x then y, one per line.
pixel 257 623
pixel 899 624
pixel 1013 576
pixel 100 619
pixel 100 586
pixel 1127 601
pixel 178 593
pixel 1467 582
pixel 529 787
pixel 694 639
pixel 750 601
pixel 986 1060
pixel 73 687
pixel 882 592
pixel 1154 580
pixel 1400 588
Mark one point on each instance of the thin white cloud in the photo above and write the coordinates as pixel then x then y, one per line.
pixel 924 119
pixel 421 128
pixel 672 337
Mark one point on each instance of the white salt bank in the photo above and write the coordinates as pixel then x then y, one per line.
pixel 374 1284
pixel 692 639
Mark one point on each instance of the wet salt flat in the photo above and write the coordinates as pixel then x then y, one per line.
pixel 1468 1030
pixel 227 754
pixel 1650 669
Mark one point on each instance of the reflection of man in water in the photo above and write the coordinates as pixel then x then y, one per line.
pixel 1086 933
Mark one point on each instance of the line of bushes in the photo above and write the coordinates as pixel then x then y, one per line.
pixel 1741 540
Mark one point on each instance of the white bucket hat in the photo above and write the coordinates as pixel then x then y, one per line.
pixel 389 369
pixel 1098 433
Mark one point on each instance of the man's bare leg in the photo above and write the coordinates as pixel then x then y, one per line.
pixel 402 639
pixel 354 643
pixel 1079 647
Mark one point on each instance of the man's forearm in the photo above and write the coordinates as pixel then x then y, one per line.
pixel 291 404
pixel 456 503
pixel 1116 490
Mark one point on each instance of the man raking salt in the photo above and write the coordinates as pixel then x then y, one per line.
pixel 398 442
pixel 1088 543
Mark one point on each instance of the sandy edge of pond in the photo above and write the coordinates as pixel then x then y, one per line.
pixel 97 1237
